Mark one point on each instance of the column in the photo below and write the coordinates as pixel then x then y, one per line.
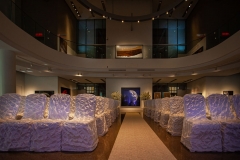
pixel 7 72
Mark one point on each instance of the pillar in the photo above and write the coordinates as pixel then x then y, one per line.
pixel 7 72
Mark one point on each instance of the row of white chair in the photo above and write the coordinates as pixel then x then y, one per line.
pixel 58 123
pixel 219 132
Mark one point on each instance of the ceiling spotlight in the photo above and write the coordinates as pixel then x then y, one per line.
pixel 103 16
pixel 216 69
pixel 194 73
pixel 79 75
pixel 153 18
pixel 49 69
pixel 122 21
pixel 138 21
pixel 90 9
pixel 166 12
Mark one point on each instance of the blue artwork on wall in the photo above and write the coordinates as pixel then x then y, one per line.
pixel 130 97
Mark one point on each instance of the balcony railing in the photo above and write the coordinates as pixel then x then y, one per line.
pixel 103 51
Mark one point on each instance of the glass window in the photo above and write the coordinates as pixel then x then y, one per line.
pixel 172 32
pixel 181 32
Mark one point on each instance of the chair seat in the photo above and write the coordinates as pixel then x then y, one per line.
pixel 102 127
pixel 175 124
pixel 78 136
pixel 202 135
pixel 231 133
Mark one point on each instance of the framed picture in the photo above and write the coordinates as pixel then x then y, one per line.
pixel 157 95
pixel 65 90
pixel 130 97
pixel 47 93
pixel 228 92
pixel 129 52
pixel 166 94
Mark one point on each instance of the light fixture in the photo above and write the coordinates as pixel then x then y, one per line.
pixel 194 73
pixel 216 69
pixel 79 75
pixel 49 69
pixel 146 17
pixel 138 21
pixel 153 18
pixel 74 7
pixel 122 21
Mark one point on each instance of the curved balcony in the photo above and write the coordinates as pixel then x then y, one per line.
pixel 220 59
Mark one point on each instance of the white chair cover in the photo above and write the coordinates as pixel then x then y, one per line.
pixel 9 104
pixel 165 112
pixel 236 104
pixel 108 116
pixel 176 116
pixel 46 133
pixel 100 116
pixel 158 109
pixel 153 108
pixel 149 105
pixel 117 103
pixel 219 107
pixel 80 134
pixel 199 134
pixel 112 110
pixel 20 131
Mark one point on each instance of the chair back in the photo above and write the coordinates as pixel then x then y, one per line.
pixel 219 107
pixel 194 106
pixel 59 107
pixel 9 105
pixel 35 106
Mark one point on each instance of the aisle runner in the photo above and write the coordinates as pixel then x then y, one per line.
pixel 136 140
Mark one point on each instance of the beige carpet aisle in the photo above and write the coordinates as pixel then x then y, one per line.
pixel 136 140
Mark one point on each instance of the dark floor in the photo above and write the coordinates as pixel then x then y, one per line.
pixel 181 152
pixel 106 142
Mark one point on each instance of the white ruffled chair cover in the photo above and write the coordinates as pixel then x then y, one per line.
pixel 9 104
pixel 219 107
pixel 108 116
pixel 149 105
pixel 80 134
pixel 112 109
pixel 176 116
pixel 153 108
pixel 117 104
pixel 165 112
pixel 102 127
pixel 21 131
pixel 46 133
pixel 236 104
pixel 158 109
pixel 199 134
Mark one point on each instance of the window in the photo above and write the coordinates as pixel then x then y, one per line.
pixel 92 38
pixel 168 38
